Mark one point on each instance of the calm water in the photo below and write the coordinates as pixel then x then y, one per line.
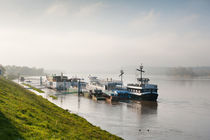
pixel 182 111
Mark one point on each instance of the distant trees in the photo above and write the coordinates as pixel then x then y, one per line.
pixel 13 72
pixel 18 70
pixel 2 70
pixel 180 71
pixel 189 71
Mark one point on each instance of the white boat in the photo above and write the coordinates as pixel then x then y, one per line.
pixel 63 83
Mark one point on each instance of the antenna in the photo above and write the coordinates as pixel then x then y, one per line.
pixel 121 75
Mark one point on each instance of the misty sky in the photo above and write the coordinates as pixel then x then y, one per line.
pixel 104 34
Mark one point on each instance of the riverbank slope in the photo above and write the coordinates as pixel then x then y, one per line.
pixel 25 115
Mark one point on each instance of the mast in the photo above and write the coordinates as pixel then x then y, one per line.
pixel 121 75
pixel 141 71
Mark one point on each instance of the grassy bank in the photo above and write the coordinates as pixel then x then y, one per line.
pixel 36 89
pixel 25 115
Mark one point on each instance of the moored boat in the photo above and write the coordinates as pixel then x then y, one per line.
pixel 106 89
pixel 63 83
pixel 143 90
pixel 95 88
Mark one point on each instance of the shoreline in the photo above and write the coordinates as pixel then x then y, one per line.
pixel 36 117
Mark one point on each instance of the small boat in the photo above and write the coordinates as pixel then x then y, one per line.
pixel 97 95
pixel 109 89
pixel 143 90
pixel 95 88
pixel 118 95
pixel 101 89
pixel 118 92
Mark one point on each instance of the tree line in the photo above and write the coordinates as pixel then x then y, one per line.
pixel 13 72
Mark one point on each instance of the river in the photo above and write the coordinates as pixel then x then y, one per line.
pixel 181 112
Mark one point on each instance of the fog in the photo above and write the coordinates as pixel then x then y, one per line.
pixel 77 35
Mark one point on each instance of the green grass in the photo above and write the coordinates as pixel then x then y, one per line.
pixel 36 89
pixel 54 97
pixel 25 115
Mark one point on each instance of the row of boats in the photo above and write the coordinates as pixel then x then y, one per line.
pixel 106 89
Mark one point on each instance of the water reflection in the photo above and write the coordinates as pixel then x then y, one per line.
pixel 78 103
pixel 70 101
pixel 146 107
pixel 61 99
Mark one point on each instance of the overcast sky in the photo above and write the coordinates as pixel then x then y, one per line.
pixel 105 34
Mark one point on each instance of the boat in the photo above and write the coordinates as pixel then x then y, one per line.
pixel 60 82
pixel 118 92
pixel 95 88
pixel 63 83
pixel 118 95
pixel 111 90
pixel 142 90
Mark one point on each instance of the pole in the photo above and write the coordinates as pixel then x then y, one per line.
pixel 41 81
pixel 121 81
pixel 121 75
pixel 141 71
pixel 79 87
pixel 64 84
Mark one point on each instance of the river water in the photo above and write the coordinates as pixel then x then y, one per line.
pixel 181 112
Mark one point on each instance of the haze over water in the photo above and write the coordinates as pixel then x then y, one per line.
pixel 181 112
pixel 96 35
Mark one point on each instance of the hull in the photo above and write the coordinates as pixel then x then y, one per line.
pixel 118 95
pixel 97 95
pixel 145 97
pixel 98 98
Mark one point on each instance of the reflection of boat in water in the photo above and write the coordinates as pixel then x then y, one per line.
pixel 146 107
pixel 143 90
